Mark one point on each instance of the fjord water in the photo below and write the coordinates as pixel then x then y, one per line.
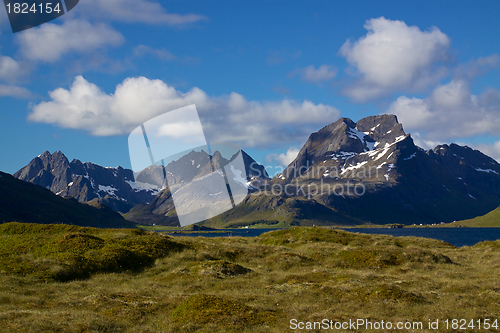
pixel 455 236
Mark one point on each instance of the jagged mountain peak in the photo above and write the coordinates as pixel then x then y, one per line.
pixel 378 124
pixel 463 151
pixel 469 165
pixel 85 181
pixel 254 169
pixel 344 139
pixel 53 160
pixel 466 154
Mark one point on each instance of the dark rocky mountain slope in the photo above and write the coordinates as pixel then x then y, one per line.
pixel 24 202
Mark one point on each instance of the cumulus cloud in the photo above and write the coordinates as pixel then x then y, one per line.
pixel 393 56
pixel 311 74
pixel 282 159
pixel 10 69
pixel 225 118
pixel 450 112
pixel 50 42
pixel 132 11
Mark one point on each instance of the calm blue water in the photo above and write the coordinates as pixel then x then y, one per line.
pixel 455 236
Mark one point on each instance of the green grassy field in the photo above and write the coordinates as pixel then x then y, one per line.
pixel 58 278
pixel 492 219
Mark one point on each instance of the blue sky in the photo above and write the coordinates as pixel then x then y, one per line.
pixel 263 74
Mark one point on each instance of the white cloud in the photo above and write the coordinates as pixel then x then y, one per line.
pixel 311 74
pixel 132 11
pixel 476 67
pixel 492 150
pixel 423 142
pixel 50 41
pixel 14 91
pixel 283 159
pixel 395 57
pixel 162 54
pixel 450 112
pixel 10 69
pixel 225 118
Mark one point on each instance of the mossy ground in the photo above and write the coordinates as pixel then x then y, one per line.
pixel 222 284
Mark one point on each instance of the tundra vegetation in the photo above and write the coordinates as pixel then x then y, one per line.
pixel 61 278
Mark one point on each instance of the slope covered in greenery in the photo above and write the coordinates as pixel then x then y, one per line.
pixel 133 281
pixel 59 252
pixel 492 219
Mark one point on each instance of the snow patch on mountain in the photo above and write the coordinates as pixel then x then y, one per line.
pixel 382 154
pixel 108 189
pixel 353 167
pixel 411 156
pixel 355 134
pixel 370 145
pixel 139 186
pixel 486 170
pixel 342 155
pixel 237 177
pixel 390 168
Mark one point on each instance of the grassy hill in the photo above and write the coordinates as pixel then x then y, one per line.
pixel 263 211
pixel 25 202
pixel 58 278
pixel 492 219
pixel 60 252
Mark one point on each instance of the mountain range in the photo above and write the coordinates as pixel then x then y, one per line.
pixel 87 181
pixel 370 171
pixel 121 189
